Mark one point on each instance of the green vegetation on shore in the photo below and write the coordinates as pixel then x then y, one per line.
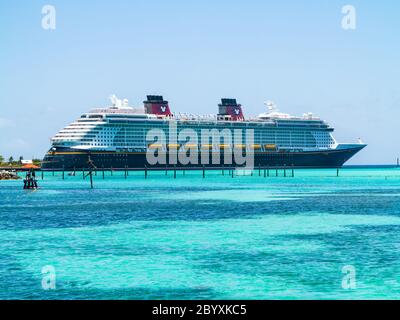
pixel 11 162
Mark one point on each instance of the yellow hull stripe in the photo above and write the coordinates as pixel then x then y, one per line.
pixel 264 152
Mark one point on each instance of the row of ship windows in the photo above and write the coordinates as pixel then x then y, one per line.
pixel 281 143
pixel 213 123
pixel 198 130
pixel 143 146
pixel 145 126
pixel 122 123
pixel 293 140
pixel 143 132
pixel 298 139
pixel 142 137
pixel 257 135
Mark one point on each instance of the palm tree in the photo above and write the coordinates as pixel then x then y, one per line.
pixel 10 160
pixel 1 159
pixel 20 159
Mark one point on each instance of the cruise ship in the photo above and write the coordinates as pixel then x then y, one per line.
pixel 115 137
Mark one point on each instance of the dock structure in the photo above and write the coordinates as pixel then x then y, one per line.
pixel 30 181
pixel 171 171
pixel 90 171
pixel 270 171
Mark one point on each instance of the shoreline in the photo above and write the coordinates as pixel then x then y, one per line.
pixel 6 175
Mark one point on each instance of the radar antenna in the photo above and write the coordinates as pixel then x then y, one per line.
pixel 271 106
pixel 113 100
pixel 116 103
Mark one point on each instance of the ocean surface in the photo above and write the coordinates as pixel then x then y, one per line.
pixel 246 237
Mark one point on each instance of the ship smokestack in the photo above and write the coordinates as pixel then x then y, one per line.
pixel 228 108
pixel 156 105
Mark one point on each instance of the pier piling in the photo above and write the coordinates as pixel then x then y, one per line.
pixel 91 178
pixel 91 168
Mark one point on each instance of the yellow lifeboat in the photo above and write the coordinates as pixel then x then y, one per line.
pixel 188 145
pixel 155 146
pixel 173 146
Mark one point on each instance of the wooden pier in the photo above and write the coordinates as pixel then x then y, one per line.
pixel 104 172
pixel 31 182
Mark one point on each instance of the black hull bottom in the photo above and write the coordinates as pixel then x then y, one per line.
pixel 68 159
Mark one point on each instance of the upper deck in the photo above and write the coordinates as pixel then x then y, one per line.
pixel 122 126
pixel 121 112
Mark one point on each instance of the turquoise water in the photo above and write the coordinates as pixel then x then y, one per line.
pixel 246 237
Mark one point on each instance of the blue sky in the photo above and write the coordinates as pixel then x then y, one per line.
pixel 294 53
